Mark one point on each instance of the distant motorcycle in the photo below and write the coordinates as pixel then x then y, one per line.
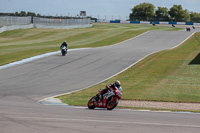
pixel 109 100
pixel 64 50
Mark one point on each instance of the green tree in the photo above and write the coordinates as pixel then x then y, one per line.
pixel 16 14
pixel 31 14
pixel 186 15
pixel 143 11
pixel 178 14
pixel 22 13
pixel 38 15
pixel 195 17
pixel 162 14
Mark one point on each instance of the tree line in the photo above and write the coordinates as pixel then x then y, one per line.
pixel 22 13
pixel 147 12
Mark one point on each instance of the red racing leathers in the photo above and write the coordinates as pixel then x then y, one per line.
pixel 101 92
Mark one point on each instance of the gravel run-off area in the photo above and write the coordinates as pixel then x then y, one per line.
pixel 160 105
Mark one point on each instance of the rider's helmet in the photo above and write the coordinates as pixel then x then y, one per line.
pixel 117 83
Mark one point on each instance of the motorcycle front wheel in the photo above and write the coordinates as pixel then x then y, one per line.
pixel 112 103
pixel 63 53
pixel 91 103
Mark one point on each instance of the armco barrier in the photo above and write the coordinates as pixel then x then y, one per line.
pixel 188 23
pixel 164 22
pixel 172 22
pixel 114 21
pixel 180 23
pixel 124 22
pixel 146 22
pixel 135 22
pixel 155 22
pixel 197 24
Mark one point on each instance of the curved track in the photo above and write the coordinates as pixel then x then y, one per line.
pixel 22 86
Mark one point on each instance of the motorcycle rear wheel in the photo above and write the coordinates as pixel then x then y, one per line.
pixel 91 103
pixel 112 103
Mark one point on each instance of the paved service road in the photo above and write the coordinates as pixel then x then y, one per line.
pixel 22 86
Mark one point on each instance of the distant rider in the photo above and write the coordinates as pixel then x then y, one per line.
pixel 115 85
pixel 64 44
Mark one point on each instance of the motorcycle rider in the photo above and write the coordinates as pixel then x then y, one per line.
pixel 115 85
pixel 64 44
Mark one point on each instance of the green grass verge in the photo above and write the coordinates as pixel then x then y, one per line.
pixel 170 75
pixel 19 44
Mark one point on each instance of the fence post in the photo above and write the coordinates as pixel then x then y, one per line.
pixel 32 19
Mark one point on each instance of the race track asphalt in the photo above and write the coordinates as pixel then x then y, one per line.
pixel 22 86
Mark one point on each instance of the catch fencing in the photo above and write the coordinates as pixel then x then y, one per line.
pixel 13 20
pixel 59 23
pixel 17 22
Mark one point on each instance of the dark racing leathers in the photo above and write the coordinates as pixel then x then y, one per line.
pixel 64 44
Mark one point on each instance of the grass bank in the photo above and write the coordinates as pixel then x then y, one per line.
pixel 19 44
pixel 170 75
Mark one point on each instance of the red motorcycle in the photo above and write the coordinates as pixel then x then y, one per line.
pixel 109 100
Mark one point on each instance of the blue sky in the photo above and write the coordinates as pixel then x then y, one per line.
pixel 102 9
